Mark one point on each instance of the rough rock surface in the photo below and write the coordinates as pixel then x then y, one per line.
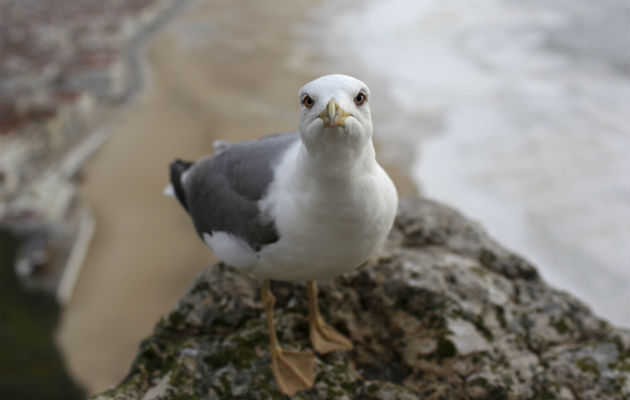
pixel 444 313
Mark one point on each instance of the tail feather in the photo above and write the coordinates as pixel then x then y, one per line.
pixel 178 168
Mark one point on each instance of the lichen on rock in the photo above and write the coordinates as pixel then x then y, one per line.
pixel 444 312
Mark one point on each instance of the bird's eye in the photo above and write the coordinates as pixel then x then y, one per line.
pixel 360 98
pixel 308 102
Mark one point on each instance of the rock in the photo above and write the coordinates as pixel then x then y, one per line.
pixel 444 313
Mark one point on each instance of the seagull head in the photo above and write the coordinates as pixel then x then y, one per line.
pixel 335 115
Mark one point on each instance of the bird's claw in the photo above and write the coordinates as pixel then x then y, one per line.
pixel 293 370
pixel 325 338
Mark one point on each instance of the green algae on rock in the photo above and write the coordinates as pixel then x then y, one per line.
pixel 444 312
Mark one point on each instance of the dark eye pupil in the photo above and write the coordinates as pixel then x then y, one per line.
pixel 308 101
pixel 359 98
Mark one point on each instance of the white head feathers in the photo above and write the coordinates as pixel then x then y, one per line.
pixel 335 115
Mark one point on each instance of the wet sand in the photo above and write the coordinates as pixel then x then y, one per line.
pixel 217 72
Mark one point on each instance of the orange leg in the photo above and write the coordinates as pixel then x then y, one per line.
pixel 293 370
pixel 324 337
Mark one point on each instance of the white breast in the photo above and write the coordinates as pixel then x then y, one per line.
pixel 325 229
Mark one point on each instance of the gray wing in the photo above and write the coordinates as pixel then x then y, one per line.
pixel 222 191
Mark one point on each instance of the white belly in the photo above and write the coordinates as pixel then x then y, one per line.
pixel 325 233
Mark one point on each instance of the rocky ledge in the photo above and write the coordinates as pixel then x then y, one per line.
pixel 444 313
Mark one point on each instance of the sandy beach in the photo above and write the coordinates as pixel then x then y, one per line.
pixel 216 72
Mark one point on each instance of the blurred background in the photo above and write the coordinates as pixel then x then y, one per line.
pixel 516 113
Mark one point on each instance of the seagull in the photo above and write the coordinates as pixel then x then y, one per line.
pixel 305 206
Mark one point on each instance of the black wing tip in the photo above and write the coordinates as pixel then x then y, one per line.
pixel 181 164
pixel 177 168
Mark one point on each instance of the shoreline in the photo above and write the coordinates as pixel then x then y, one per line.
pixel 134 52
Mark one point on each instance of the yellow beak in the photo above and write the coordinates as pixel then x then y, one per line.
pixel 333 115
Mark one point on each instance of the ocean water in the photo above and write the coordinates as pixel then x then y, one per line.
pixel 516 113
